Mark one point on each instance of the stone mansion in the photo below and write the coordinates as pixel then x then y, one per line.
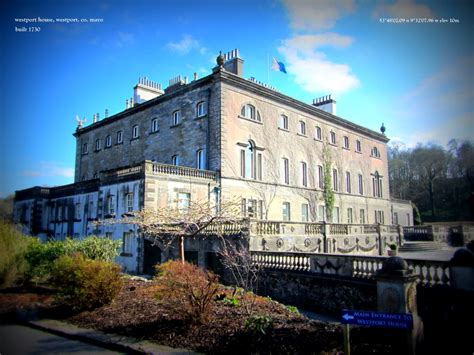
pixel 216 138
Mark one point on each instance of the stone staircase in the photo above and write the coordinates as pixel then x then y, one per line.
pixel 411 247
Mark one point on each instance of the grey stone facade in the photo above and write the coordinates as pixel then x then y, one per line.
pixel 228 141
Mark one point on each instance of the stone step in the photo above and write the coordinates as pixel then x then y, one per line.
pixel 420 246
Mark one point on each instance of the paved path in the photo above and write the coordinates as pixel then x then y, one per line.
pixel 19 339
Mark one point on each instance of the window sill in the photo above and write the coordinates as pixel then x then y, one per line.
pixel 119 143
pixel 284 129
pixel 201 117
pixel 345 148
pixel 302 135
pixel 134 139
pixel 333 144
pixel 318 140
pixel 97 150
pixel 153 132
pixel 358 151
pixel 109 216
pixel 175 125
pixel 128 214
pixel 250 120
pixel 108 147
pixel 85 153
pixel 373 156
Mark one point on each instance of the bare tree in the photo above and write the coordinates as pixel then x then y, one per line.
pixel 168 225
pixel 237 259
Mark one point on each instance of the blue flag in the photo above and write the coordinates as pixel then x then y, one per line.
pixel 278 66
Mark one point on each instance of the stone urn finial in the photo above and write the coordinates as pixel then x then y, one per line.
pixel 220 59
pixel 382 129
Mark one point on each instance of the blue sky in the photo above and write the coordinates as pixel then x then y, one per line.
pixel 416 78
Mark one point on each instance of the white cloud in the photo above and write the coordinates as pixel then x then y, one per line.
pixel 317 14
pixel 49 168
pixel 312 69
pixel 441 106
pixel 403 9
pixel 186 45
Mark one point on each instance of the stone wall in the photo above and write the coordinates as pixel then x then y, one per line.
pixel 318 294
pixel 183 139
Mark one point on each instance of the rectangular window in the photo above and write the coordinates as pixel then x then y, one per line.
pixel 358 146
pixel 77 211
pixel 320 177
pixel 346 142
pixel 119 137
pixel 260 209
pixel 129 202
pixel 408 220
pixel 286 211
pixel 242 163
pixel 135 132
pixel 334 180
pixel 348 182
pixel 318 135
pixel 200 161
pixel 184 200
pixel 108 141
pixel 91 209
pixel 97 144
pixel 201 109
pixel 395 218
pixel 252 208
pixel 286 171
pixel 362 216
pixel 333 137
pixel 379 216
pixel 349 216
pixel 302 128
pixel 335 215
pixel 176 118
pixel 110 205
pixel 361 185
pixel 304 174
pixel 304 212
pixel 321 215
pixel 154 125
pixel 243 207
pixel 85 148
pixel 259 166
pixel 127 242
pixel 175 160
pixel 284 122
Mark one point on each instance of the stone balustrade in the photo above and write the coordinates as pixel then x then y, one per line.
pixel 159 168
pixel 430 273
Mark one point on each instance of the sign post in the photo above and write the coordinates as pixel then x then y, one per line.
pixel 373 319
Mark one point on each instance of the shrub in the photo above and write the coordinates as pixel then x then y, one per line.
pixel 85 283
pixel 258 324
pixel 187 289
pixel 293 309
pixel 41 256
pixel 94 247
pixel 13 246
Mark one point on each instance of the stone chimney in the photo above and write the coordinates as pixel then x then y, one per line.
pixel 325 103
pixel 233 63
pixel 145 90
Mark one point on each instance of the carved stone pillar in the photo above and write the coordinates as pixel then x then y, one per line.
pixel 396 293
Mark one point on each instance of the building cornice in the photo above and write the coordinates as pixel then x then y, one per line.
pixel 247 85
pixel 145 105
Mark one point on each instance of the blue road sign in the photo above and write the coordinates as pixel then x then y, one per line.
pixel 378 319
